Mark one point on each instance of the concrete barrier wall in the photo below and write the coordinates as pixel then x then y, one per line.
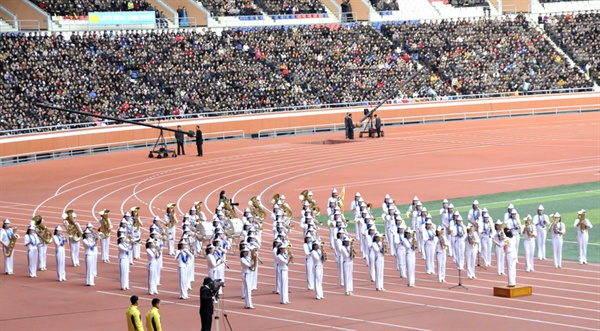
pixel 252 124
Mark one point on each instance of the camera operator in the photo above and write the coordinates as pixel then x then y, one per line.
pixel 208 293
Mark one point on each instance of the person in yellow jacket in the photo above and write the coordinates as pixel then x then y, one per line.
pixel 153 317
pixel 134 318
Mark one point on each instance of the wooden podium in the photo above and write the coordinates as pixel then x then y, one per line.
pixel 513 292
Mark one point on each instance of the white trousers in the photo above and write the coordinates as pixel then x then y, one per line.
pixel 371 264
pixel 89 269
pixel 379 262
pixel 511 265
pixel 500 259
pixel 42 250
pixel 74 251
pixel 410 268
pixel 459 253
pixel 247 289
pixel 183 282
pixel 441 265
pixel 105 246
pixel 191 270
pixel 8 261
pixel 401 260
pixel 137 250
pixel 310 273
pixel 124 272
pixel 152 279
pixel 254 275
pixel 348 282
pixel 429 257
pixel 283 289
pixel 529 248
pixel 471 253
pixel 486 250
pixel 582 241
pixel 557 244
pixel 541 242
pixel 318 281
pixel 32 257
pixel 340 265
pixel 277 279
pixel 60 264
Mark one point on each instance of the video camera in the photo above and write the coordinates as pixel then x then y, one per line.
pixel 215 285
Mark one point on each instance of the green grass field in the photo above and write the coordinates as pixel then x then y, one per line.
pixel 566 200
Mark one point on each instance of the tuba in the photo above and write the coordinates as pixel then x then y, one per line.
pixel 73 229
pixel 313 205
pixel 228 210
pixel 172 219
pixel 105 227
pixel 257 209
pixel 135 214
pixel 41 229
pixel 12 242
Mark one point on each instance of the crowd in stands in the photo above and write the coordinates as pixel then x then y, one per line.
pixel 288 7
pixel 82 7
pixel 485 56
pixel 579 36
pixel 231 7
pixel 384 5
pixel 169 73
pixel 468 3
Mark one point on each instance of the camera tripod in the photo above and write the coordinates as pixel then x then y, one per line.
pixel 221 310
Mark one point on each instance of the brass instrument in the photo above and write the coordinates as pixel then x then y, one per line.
pixel 287 211
pixel 352 250
pixel 415 245
pixel 289 253
pixel 340 199
pixel 257 209
pixel 228 209
pixel 135 214
pixel 254 258
pixel 73 230
pixel 105 226
pixel 442 241
pixel 41 229
pixel 582 227
pixel 172 219
pixel 198 205
pixel 384 244
pixel 323 251
pixel 313 205
pixel 554 226
pixel 12 242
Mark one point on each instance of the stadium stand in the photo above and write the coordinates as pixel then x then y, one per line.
pixel 81 8
pixel 231 8
pixel 292 7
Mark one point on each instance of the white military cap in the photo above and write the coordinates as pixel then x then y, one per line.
pixel 429 221
pixel 306 203
pixel 377 234
pixel 193 208
pixel 541 207
pixel 281 197
pixel 439 228
pixel 245 249
pixel 127 214
pixel 583 211
pixel 156 218
pixel 451 205
pixel 499 222
pixel 469 226
pixel 89 225
pixel 419 203
pixel 457 213
pixel 415 198
pixel 445 201
pixel 58 228
pixel 220 214
pixel 511 206
pixel 247 210
pixel 387 196
pixel 556 215
pixel 357 194
pixel 122 236
pixel 486 215
pixel 86 231
pixel 514 211
pixel 459 218
pixel 74 215
pixel 186 215
pixel 310 193
pixel 528 217
pixel 485 210
pixel 134 208
pixel 475 202
pixel 423 209
pixel 334 191
pixel 170 205
pixel 346 239
pixel 6 221
pixel 154 232
pixel 409 230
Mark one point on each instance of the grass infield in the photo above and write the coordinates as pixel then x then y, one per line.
pixel 567 200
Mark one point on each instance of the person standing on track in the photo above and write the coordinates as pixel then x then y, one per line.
pixel 582 225
pixel 123 258
pixel 199 140
pixel 134 318
pixel 31 242
pixel 349 126
pixel 558 229
pixel 511 248
pixel 89 243
pixel 541 221
pixel 529 234
pixel 180 137
pixel 153 317
pixel 206 304
pixel 283 261
pixel 59 241
pixel 318 258
pixel 6 234
pixel 499 237
pixel 347 257
pixel 410 245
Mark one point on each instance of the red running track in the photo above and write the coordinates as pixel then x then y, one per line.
pixel 433 161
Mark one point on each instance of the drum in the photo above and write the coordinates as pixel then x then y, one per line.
pixel 238 226
pixel 205 231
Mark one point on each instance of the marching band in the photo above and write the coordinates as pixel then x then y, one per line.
pixel 195 237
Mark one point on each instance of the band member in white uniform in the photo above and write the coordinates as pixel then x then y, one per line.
pixel 347 253
pixel 59 243
pixel 42 254
pixel 511 258
pixel 74 244
pixel 441 247
pixel 541 221
pixel 471 248
pixel 153 268
pixel 283 261
pixel 582 225
pixel 486 234
pixel 105 239
pixel 529 234
pixel 253 245
pixel 338 246
pixel 378 249
pixel 459 232
pixel 212 261
pixel 499 238
pixel 429 246
pixel 318 258
pixel 558 229
pixel 410 245
pixel 182 256
pixel 400 250
pixel 247 265
pixel 447 218
pixel 31 242
pixel 94 255
pixel 123 257
pixel 276 244
pixel 6 234
pixel 514 224
pixel 310 270
pixel 89 244
pixel 420 228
